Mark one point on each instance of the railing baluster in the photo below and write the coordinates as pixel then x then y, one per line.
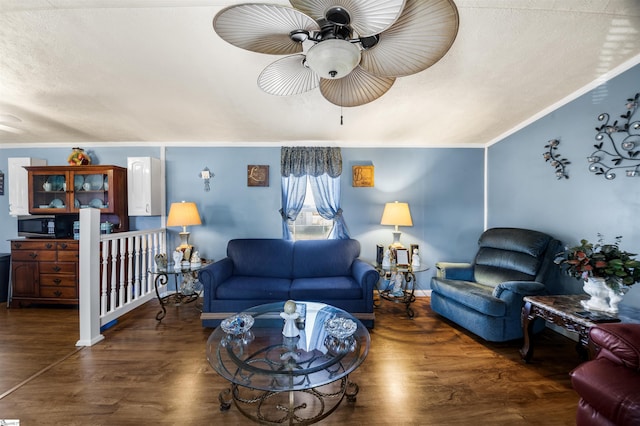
pixel 127 280
pixel 113 285
pixel 123 273
pixel 104 281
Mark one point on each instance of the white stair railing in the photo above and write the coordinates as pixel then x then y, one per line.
pixel 114 273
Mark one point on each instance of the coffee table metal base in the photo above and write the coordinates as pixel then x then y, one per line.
pixel 300 407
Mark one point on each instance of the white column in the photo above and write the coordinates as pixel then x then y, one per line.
pixel 89 288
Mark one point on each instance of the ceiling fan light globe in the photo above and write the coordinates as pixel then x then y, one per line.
pixel 333 58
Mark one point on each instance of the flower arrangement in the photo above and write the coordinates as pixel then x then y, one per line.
pixel 618 268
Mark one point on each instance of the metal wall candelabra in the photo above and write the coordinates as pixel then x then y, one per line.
pixel 556 159
pixel 618 145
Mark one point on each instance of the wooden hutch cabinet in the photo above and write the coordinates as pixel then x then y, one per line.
pixel 67 189
pixel 46 270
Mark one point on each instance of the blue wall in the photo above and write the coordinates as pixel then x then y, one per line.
pixel 444 189
pixel 524 192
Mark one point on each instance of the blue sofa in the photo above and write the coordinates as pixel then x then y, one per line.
pixel 485 296
pixel 258 271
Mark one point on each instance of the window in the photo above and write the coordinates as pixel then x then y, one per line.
pixel 309 225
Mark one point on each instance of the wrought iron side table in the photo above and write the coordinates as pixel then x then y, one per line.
pixel 404 293
pixel 184 293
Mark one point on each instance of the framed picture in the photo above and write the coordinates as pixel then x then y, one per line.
pixel 379 253
pixel 362 176
pixel 257 175
pixel 402 257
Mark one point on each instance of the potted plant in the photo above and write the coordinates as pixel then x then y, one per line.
pixel 606 270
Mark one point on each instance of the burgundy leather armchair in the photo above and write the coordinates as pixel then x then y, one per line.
pixel 609 385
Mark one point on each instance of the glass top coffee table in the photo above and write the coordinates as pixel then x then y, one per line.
pixel 288 380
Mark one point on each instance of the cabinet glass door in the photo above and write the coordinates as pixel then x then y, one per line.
pixel 49 191
pixel 91 190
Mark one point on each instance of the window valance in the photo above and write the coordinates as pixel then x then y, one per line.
pixel 313 161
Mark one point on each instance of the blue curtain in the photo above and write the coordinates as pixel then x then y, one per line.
pixel 294 190
pixel 323 165
pixel 326 192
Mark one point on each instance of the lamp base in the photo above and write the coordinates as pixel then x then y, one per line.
pixel 396 240
pixel 184 246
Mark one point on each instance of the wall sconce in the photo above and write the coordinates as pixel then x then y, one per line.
pixel 556 160
pixel 206 175
pixel 621 142
pixel 396 214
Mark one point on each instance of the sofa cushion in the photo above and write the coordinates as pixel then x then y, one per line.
pixel 324 258
pixel 261 257
pixel 475 296
pixel 325 288
pixel 509 254
pixel 259 288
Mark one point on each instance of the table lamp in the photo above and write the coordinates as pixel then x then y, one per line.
pixel 396 214
pixel 184 214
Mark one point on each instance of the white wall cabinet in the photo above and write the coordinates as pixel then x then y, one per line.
pixel 19 183
pixel 144 180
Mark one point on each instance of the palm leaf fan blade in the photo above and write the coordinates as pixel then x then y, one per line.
pixel 288 76
pixel 263 28
pixel 421 36
pixel 358 88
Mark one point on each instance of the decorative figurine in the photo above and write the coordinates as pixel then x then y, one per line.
pixel 161 260
pixel 386 260
pixel 195 260
pixel 415 260
pixel 290 315
pixel 397 285
pixel 177 259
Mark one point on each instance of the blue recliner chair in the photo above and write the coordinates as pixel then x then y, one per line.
pixel 486 297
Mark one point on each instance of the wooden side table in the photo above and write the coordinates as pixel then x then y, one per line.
pixel 563 311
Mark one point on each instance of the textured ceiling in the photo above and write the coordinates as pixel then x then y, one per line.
pixel 155 71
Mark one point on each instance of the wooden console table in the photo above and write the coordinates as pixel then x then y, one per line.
pixel 562 311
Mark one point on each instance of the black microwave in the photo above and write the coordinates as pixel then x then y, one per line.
pixel 46 226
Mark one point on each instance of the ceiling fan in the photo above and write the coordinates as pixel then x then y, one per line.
pixel 352 49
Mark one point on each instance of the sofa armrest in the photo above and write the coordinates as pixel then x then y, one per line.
pixel 454 271
pixel 365 274
pixel 618 342
pixel 521 288
pixel 512 293
pixel 213 275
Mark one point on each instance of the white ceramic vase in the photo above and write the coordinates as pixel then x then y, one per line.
pixel 598 290
pixel 615 297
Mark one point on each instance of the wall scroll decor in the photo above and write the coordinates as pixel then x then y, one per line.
pixel 257 175
pixel 618 145
pixel 556 160
pixel 363 176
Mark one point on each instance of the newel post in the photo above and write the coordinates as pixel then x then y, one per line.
pixel 89 282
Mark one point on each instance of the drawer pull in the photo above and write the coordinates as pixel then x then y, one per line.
pixel 33 255
pixel 57 269
pixel 63 245
pixel 49 245
pixel 57 281
pixel 57 293
pixel 17 245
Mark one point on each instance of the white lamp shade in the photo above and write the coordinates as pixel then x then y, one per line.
pixel 183 214
pixel 333 58
pixel 396 214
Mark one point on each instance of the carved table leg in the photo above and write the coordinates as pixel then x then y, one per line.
pixel 527 329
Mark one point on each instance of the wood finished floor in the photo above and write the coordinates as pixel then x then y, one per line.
pixel 424 371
